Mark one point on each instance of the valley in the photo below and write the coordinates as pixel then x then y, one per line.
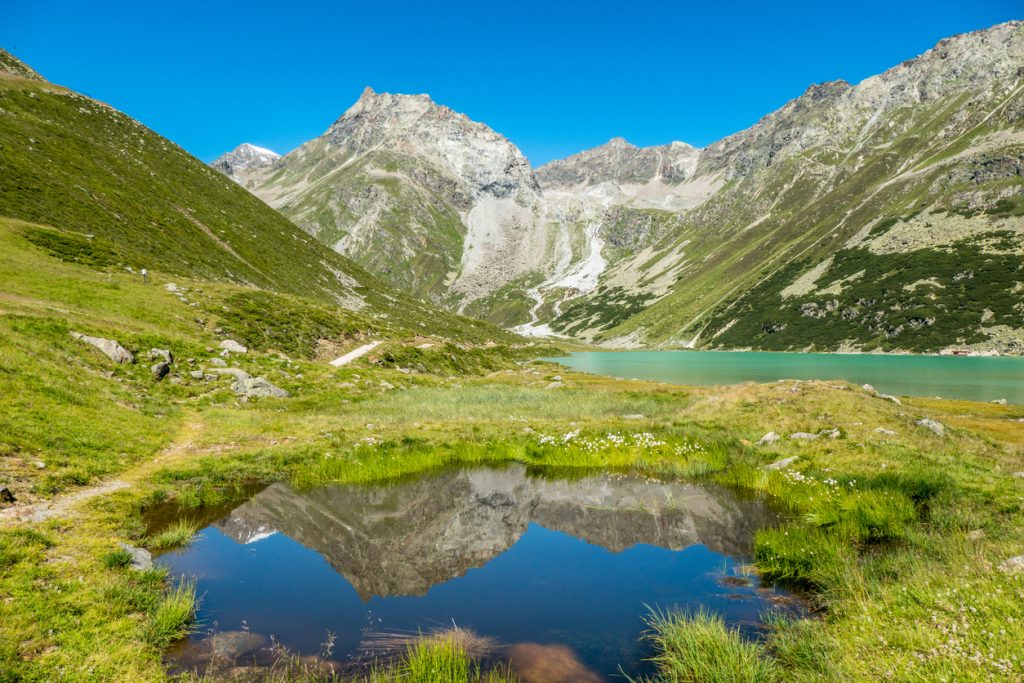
pixel 295 417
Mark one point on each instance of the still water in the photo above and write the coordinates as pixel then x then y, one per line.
pixel 556 574
pixel 968 378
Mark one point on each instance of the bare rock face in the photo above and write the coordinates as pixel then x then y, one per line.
pixel 244 162
pixel 619 162
pixel 110 348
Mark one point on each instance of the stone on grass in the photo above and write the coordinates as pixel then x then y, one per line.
pixel 141 560
pixel 830 433
pixel 1000 401
pixel 554 385
pixel 782 464
pixel 1013 565
pixel 868 388
pixel 803 436
pixel 6 497
pixel 883 430
pixel 109 347
pixel 161 354
pixel 218 362
pixel 931 425
pixel 160 370
pixel 890 397
pixel 770 437
pixel 231 346
pixel 250 387
pixel 196 374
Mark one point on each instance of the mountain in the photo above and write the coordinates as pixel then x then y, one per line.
pixel 884 215
pixel 244 161
pixel 102 183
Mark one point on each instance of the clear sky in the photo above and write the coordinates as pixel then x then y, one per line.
pixel 555 77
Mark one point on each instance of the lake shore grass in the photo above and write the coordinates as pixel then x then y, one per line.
pixel 896 535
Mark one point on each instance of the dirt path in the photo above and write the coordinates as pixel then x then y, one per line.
pixel 64 505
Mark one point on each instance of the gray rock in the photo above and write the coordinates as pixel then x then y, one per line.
pixel 931 425
pixel 883 430
pixel 868 388
pixel 782 464
pixel 770 437
pixel 109 347
pixel 803 436
pixel 161 354
pixel 259 387
pixel 1013 565
pixel 160 370
pixel 39 465
pixel 1000 401
pixel 247 386
pixel 218 362
pixel 196 374
pixel 172 288
pixel 830 433
pixel 6 496
pixel 890 397
pixel 1018 475
pixel 142 559
pixel 554 385
pixel 231 346
pixel 634 416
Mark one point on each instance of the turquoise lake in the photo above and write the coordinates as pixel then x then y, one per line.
pixel 969 378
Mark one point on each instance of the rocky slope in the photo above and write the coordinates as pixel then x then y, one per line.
pixel 883 215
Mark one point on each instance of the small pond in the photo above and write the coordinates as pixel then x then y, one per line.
pixel 555 574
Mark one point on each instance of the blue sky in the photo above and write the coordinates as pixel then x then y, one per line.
pixel 555 77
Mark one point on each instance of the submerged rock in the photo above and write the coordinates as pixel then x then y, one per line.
pixel 109 347
pixel 931 425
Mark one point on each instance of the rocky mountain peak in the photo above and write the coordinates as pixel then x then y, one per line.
pixel 623 163
pixel 416 126
pixel 244 159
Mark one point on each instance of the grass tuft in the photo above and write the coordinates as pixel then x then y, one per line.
pixel 171 618
pixel 176 535
pixel 700 647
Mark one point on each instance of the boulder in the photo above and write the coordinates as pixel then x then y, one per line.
pixel 160 370
pixel 890 397
pixel 782 464
pixel 250 387
pixel 883 430
pixel 234 644
pixel 142 559
pixel 231 346
pixel 218 362
pixel 803 436
pixel 830 433
pixel 161 354
pixel 196 374
pixel 109 347
pixel 931 425
pixel 1000 401
pixel 769 438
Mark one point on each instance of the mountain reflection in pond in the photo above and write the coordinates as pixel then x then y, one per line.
pixel 553 565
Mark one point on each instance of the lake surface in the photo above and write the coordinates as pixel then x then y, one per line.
pixel 558 573
pixel 970 378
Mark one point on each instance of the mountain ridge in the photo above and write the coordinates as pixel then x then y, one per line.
pixel 626 245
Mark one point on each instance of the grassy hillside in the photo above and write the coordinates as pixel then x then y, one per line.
pixel 113 186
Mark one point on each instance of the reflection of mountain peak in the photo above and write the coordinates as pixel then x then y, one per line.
pixel 403 538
